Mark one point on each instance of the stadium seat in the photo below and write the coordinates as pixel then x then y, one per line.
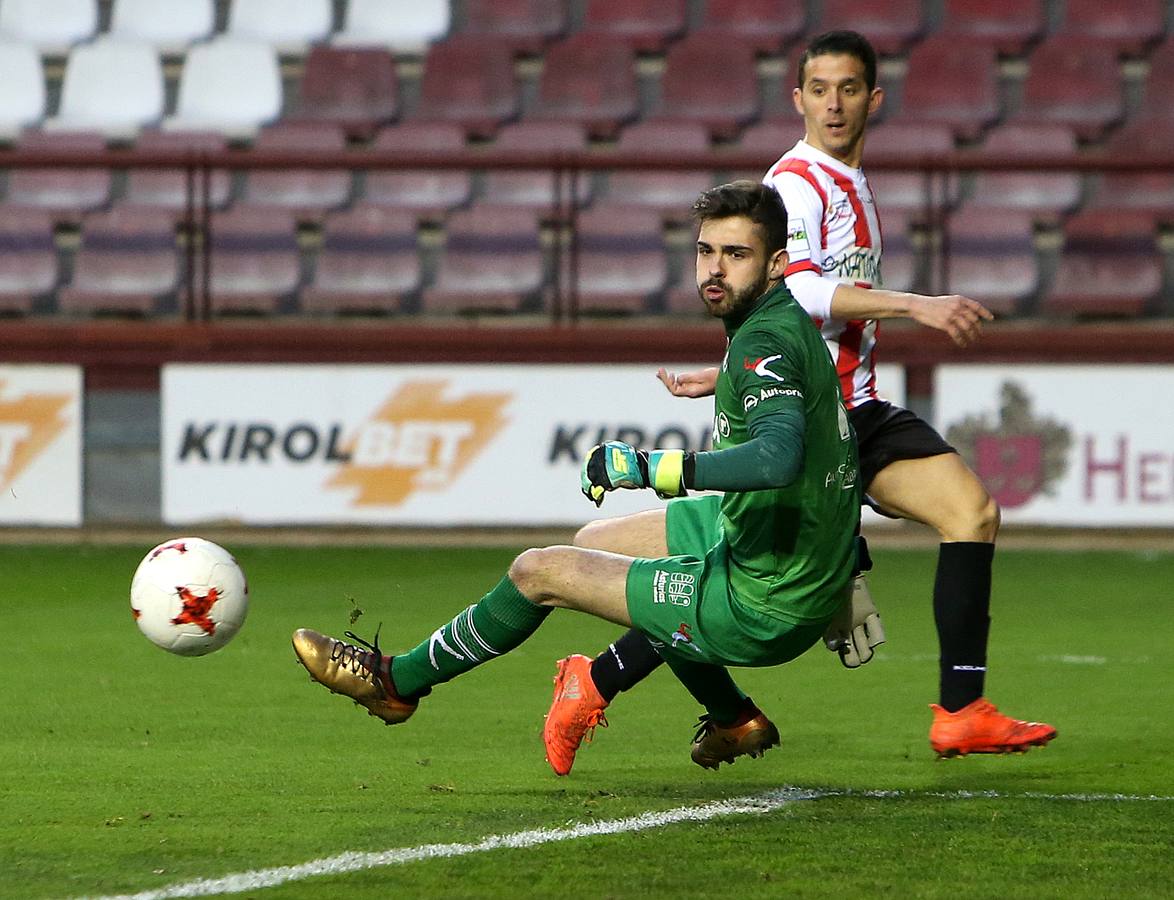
pixel 712 81
pixel 1128 27
pixel 768 139
pixel 1110 266
pixel 492 261
pixel 428 193
pixel 289 26
pixel 469 81
pixel 1008 26
pixel 112 86
pixel 1141 192
pixel 900 258
pixel 645 25
pixel 951 83
pixel 619 260
pixel 406 28
pixel 66 193
pixel 1159 83
pixel 354 87
pixel 169 27
pixel 905 189
pixel 368 262
pixel 255 261
pixel 590 79
pixel 536 188
pixel 28 258
pixel 52 25
pixel 305 192
pixel 128 260
pixel 1046 195
pixel 891 25
pixel 228 85
pixel 991 257
pixel 166 190
pixel 671 193
pixel 527 25
pixel 22 88
pixel 765 26
pixel 1074 82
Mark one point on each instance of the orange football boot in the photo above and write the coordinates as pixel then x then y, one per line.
pixel 979 727
pixel 574 712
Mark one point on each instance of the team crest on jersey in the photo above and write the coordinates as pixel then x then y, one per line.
pixel 797 237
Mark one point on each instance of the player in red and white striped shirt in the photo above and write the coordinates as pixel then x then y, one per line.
pixel 908 470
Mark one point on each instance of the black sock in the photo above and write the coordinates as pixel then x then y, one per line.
pixel 624 664
pixel 961 606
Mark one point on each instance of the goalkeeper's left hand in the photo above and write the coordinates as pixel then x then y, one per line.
pixel 618 465
pixel 856 628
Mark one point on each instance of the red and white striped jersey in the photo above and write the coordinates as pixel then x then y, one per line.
pixel 833 237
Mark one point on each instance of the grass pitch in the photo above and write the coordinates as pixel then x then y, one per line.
pixel 126 769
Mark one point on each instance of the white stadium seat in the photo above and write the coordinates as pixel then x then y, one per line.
pixel 22 88
pixel 228 85
pixel 111 86
pixel 170 27
pixel 289 25
pixel 405 27
pixel 53 25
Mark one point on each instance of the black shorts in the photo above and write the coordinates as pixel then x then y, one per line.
pixel 886 433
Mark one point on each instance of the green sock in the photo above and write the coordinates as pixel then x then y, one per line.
pixel 500 622
pixel 712 687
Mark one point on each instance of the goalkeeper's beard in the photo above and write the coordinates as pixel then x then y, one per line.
pixel 732 302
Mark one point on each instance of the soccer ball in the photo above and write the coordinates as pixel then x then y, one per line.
pixel 189 596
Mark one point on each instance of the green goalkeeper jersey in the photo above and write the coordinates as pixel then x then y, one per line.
pixel 792 548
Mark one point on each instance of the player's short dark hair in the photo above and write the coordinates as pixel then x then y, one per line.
pixel 844 43
pixel 759 203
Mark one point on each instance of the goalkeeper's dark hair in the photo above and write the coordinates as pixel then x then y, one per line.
pixel 840 43
pixel 756 201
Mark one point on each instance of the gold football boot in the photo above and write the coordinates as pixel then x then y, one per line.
pixel 716 744
pixel 358 673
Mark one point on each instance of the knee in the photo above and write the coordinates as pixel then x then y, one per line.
pixel 978 521
pixel 589 535
pixel 526 572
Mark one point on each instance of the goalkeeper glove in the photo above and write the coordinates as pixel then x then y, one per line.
pixel 856 628
pixel 619 465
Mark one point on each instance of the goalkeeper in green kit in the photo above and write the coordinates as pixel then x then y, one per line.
pixel 748 578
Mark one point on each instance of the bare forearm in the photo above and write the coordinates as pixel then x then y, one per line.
pixel 959 317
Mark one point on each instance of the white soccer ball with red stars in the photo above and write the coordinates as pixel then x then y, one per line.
pixel 189 596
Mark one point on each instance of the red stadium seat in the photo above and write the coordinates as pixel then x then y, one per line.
pixel 306 192
pixel 1009 26
pixel 356 88
pixel 165 189
pixel 670 192
pixel 66 193
pixel 537 188
pixel 900 259
pixel 1126 26
pixel 619 258
pixel 1074 82
pixel 1159 83
pixel 492 262
pixel 526 24
pixel 951 83
pixel 255 260
pixel 127 263
pixel 908 190
pixel 890 25
pixel 1045 195
pixel 469 81
pixel 1110 266
pixel 769 139
pixel 427 193
pixel 28 258
pixel 646 25
pixel 765 26
pixel 1142 192
pixel 368 263
pixel 590 79
pixel 712 81
pixel 991 257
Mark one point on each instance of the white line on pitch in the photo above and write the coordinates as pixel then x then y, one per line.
pixel 762 803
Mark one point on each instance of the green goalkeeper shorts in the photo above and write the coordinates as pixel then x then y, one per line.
pixel 684 605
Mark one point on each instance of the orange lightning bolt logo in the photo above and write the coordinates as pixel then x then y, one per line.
pixel 28 425
pixel 418 441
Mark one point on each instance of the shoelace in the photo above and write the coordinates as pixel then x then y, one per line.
pixel 704 727
pixel 355 658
